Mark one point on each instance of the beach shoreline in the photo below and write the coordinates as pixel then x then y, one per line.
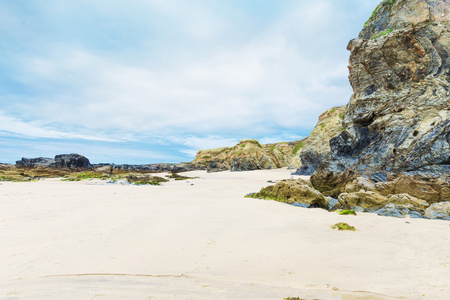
pixel 201 239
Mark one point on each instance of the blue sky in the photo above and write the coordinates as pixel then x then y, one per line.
pixel 145 81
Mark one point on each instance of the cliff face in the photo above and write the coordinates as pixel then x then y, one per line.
pixel 398 118
pixel 316 147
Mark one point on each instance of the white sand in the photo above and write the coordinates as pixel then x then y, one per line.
pixel 87 240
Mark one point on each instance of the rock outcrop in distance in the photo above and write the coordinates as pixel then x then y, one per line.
pixel 305 154
pixel 248 155
pixel 69 161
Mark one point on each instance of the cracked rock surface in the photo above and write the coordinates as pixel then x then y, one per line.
pixel 398 118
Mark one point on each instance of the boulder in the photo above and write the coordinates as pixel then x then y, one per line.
pixel 297 192
pixel 439 210
pixel 367 200
pixel 405 199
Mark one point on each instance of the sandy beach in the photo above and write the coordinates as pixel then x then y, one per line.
pixel 201 239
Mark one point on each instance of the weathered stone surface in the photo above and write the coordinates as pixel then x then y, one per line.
pixel 68 161
pixel 33 162
pixel 439 210
pixel 247 155
pixel 398 118
pixel 72 161
pixel 297 192
pixel 369 201
pixel 399 211
pixel 316 147
pixel 405 199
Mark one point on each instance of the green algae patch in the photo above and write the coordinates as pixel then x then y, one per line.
pixel 382 34
pixel 142 180
pixel 180 177
pixel 298 147
pixel 343 226
pixel 347 212
pixel 84 176
pixel 16 178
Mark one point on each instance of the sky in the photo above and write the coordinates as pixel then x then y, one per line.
pixel 147 81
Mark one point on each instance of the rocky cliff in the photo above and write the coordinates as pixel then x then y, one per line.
pixel 396 125
pixel 316 147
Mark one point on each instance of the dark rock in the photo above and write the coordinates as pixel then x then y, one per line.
pixel 378 177
pixel 32 162
pixel 68 161
pixel 215 166
pixel 72 161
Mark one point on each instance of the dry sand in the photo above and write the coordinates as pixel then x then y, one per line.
pixel 91 240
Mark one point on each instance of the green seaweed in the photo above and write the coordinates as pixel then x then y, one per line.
pixel 298 147
pixel 85 176
pixel 347 212
pixel 343 226
pixel 382 34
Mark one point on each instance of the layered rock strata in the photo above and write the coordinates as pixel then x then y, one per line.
pixel 397 123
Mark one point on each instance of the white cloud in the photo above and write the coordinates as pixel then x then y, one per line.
pixel 178 68
pixel 14 127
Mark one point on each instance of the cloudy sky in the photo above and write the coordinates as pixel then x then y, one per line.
pixel 144 81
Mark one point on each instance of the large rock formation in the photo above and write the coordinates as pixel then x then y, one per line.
pixel 397 123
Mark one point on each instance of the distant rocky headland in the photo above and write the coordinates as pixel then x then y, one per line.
pixel 74 166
